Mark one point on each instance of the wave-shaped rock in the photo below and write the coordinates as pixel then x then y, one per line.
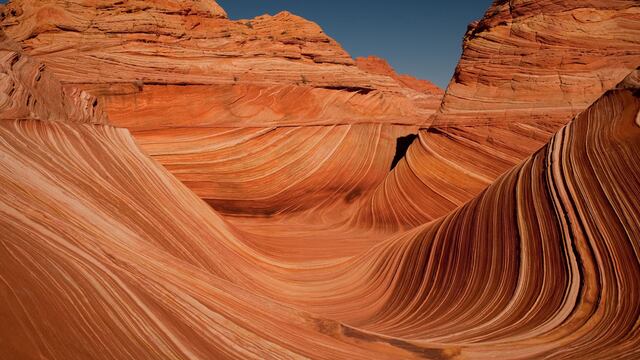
pixel 266 171
pixel 527 68
pixel 122 260
pixel 102 257
pixel 178 73
pixel 106 254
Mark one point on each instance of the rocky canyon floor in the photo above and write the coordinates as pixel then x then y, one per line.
pixel 175 184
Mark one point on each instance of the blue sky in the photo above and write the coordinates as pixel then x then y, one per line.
pixel 422 38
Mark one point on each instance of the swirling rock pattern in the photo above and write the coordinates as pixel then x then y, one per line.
pixel 269 171
pixel 107 254
pixel 180 76
pixel 541 264
pixel 93 267
pixel 527 68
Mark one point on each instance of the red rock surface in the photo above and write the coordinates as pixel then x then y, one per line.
pixel 274 80
pixel 109 270
pixel 107 254
pixel 29 91
pixel 376 65
pixel 527 67
pixel 516 68
pixel 154 60
pixel 432 95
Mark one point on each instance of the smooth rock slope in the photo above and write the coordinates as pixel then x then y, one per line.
pixel 177 75
pixel 541 264
pixel 527 68
pixel 188 240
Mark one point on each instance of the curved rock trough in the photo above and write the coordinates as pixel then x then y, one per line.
pixel 179 185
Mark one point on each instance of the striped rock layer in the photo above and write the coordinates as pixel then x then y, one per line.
pixel 29 91
pixel 218 101
pixel 528 67
pixel 169 63
pixel 108 254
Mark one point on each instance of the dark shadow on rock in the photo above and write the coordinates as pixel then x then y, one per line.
pixel 402 145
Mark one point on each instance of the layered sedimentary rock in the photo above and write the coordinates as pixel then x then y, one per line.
pixel 376 65
pixel 270 90
pixel 528 62
pixel 158 61
pixel 107 255
pixel 266 171
pixel 29 91
pixel 527 67
pixel 431 95
pixel 566 216
pixel 86 249
pixel 89 225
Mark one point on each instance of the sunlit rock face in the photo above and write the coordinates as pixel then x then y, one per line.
pixel 96 238
pixel 531 62
pixel 295 121
pixel 527 68
pixel 170 63
pixel 122 260
pixel 319 241
pixel 28 90
pixel 428 94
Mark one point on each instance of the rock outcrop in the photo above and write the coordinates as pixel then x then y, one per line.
pixel 107 255
pixel 532 62
pixel 509 229
pixel 376 65
pixel 29 91
pixel 270 90
pixel 527 67
pixel 431 94
pixel 152 61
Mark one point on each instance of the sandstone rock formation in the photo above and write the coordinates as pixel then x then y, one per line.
pixel 29 91
pixel 527 67
pixel 107 254
pixel 533 62
pixel 376 65
pixel 179 78
pixel 432 95
pixel 117 276
pixel 158 63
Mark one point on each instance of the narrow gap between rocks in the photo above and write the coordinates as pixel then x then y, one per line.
pixel 402 145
